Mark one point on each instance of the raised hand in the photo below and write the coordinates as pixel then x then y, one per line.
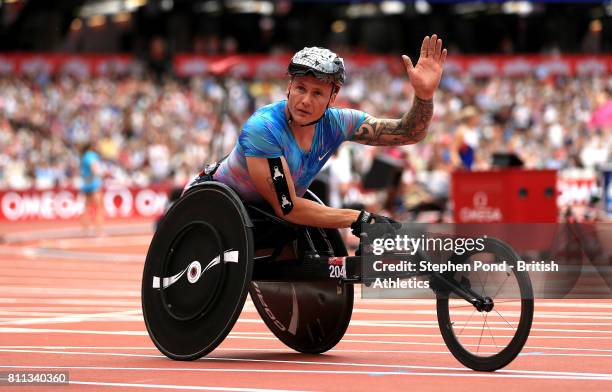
pixel 425 76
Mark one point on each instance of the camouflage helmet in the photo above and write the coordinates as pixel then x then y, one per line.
pixel 322 63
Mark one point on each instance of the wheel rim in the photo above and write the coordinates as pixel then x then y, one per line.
pixel 487 333
pixel 489 340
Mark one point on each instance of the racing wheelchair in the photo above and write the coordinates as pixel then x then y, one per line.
pixel 202 262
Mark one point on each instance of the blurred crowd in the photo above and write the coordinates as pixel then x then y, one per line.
pixel 149 130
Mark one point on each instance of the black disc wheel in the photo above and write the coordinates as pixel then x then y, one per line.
pixel 489 336
pixel 197 272
pixel 309 317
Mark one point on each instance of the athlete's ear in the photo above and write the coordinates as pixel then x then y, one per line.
pixel 334 94
pixel 289 87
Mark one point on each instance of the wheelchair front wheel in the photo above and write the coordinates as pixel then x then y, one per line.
pixel 489 339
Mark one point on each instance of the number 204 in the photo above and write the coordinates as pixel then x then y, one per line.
pixel 337 271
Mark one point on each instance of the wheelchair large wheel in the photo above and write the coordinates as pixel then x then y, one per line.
pixel 197 272
pixel 309 317
pixel 490 339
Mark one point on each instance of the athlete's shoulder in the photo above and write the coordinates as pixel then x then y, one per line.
pixel 270 114
pixel 262 134
pixel 344 119
pixel 91 156
pixel 340 113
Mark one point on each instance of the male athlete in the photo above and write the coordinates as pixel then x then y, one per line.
pixel 284 145
pixel 91 188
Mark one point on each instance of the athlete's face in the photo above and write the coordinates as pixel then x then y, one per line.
pixel 308 98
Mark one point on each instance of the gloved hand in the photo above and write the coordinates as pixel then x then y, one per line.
pixel 385 223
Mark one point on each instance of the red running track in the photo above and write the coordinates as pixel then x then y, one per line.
pixel 72 303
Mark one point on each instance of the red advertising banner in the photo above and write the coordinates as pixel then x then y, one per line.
pixel 248 65
pixel 76 65
pixel 266 66
pixel 505 196
pixel 61 204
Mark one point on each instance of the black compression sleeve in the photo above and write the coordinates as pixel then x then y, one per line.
pixel 280 184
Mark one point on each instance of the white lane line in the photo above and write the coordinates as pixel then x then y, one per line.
pixel 412 343
pixel 278 350
pixel 70 331
pixel 70 301
pixel 538 320
pixel 21 267
pixel 432 370
pixel 63 313
pixel 95 242
pixel 424 352
pixel 432 323
pixel 77 318
pixel 401 324
pixel 250 308
pixel 46 292
pixel 254 335
pixel 187 387
pixel 69 279
pixel 143 333
pixel 61 292
pixel 86 347
pixel 372 373
pixel 52 309
pixel 135 316
pixel 109 320
pixel 478 327
pixel 466 311
pixel 541 354
pixel 409 312
pixel 119 229
pixel 41 254
pixel 539 303
pixel 438 336
pixel 529 372
pixel 84 353
pixel 537 315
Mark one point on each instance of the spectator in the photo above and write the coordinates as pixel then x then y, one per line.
pixel 150 131
pixel 466 139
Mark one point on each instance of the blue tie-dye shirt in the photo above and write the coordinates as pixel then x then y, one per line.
pixel 266 134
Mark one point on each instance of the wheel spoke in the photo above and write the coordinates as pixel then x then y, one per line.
pixel 468 320
pixel 508 301
pixel 482 331
pixel 480 280
pixel 485 284
pixel 462 306
pixel 503 318
pixel 502 285
pixel 490 332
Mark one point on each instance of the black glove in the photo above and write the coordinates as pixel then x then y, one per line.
pixel 368 217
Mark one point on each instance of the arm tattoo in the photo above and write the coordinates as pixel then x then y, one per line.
pixel 411 128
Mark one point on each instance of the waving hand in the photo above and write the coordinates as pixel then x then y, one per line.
pixel 425 76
